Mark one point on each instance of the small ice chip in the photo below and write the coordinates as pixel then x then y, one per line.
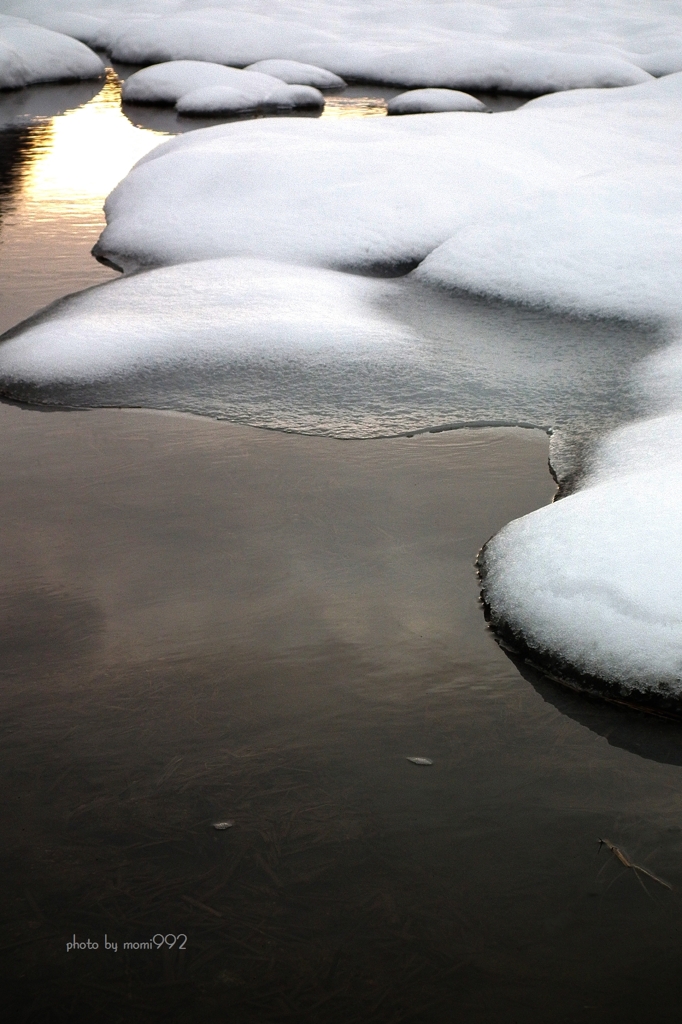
pixel 220 826
pixel 420 760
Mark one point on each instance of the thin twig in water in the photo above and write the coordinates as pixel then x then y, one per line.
pixel 201 906
pixel 627 863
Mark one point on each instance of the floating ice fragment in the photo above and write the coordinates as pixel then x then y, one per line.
pixel 221 826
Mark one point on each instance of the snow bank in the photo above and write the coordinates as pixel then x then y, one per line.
pixel 429 101
pixel 572 202
pixel 591 586
pixel 517 47
pixel 294 73
pixel 199 87
pixel 79 25
pixel 30 54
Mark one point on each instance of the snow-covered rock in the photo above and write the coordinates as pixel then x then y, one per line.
pixel 30 54
pixel 236 305
pixel 431 101
pixel 294 73
pixel 77 24
pixel 197 87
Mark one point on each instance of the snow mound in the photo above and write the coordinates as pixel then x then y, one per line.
pixel 222 99
pixel 79 25
pixel 299 348
pixel 294 73
pixel 428 101
pixel 491 47
pixel 591 586
pixel 30 54
pixel 573 202
pixel 199 87
pixel 240 305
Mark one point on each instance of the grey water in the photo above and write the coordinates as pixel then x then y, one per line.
pixel 203 621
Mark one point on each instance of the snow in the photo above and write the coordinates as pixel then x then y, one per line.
pixel 572 202
pixel 507 46
pixel 294 73
pixel 593 582
pixel 200 87
pixel 30 54
pixel 425 101
pixel 222 99
pixel 244 305
pixel 291 347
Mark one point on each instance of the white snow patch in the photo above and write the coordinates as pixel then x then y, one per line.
pixel 596 578
pixel 30 54
pixel 200 87
pixel 574 203
pixel 430 101
pixel 517 47
pixel 294 73
pixel 196 311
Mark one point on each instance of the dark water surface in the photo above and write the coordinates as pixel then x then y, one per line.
pixel 203 622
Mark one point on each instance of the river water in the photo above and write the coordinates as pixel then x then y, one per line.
pixel 201 621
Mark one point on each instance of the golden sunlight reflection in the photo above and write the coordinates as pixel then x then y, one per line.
pixel 63 170
pixel 354 106
pixel 50 224
pixel 90 150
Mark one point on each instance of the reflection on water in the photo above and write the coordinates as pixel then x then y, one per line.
pixel 254 626
pixel 57 171
pixel 362 106
pixel 649 735
pixel 90 149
